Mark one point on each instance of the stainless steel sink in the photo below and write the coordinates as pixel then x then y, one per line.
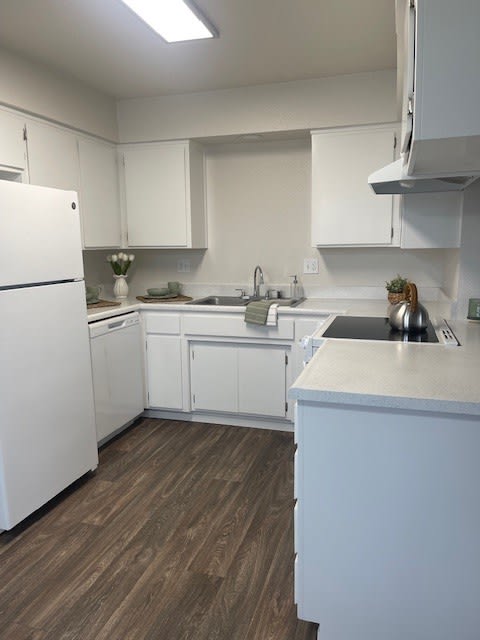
pixel 224 301
pixel 235 301
pixel 290 302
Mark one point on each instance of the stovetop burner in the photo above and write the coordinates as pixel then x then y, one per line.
pixel 371 328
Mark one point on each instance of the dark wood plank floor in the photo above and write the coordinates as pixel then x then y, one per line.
pixel 184 532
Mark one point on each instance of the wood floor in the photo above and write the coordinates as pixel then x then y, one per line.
pixel 184 532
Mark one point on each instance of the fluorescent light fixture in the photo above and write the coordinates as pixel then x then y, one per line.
pixel 174 20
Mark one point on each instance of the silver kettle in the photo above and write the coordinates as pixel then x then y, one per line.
pixel 409 315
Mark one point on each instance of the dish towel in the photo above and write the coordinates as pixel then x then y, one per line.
pixel 272 317
pixel 258 312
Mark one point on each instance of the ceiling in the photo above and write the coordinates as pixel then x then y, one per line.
pixel 104 45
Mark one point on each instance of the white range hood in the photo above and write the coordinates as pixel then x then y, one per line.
pixel 438 86
pixel 393 179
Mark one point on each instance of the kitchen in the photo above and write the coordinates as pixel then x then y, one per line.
pixel 243 211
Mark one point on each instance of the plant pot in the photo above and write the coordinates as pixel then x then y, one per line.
pixel 120 288
pixel 395 298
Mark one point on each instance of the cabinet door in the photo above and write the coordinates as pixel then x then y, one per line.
pixel 12 143
pixel 261 380
pixel 52 157
pixel 155 193
pixel 345 210
pixel 164 371
pixel 214 377
pixel 99 201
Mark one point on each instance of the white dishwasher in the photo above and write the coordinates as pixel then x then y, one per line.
pixel 117 367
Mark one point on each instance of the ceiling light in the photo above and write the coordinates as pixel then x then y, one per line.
pixel 174 20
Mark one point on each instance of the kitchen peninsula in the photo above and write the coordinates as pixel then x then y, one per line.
pixel 387 489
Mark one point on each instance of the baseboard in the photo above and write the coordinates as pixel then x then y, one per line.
pixel 222 418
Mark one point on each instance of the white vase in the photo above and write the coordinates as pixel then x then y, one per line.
pixel 120 288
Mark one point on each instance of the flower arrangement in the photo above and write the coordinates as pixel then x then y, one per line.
pixel 120 263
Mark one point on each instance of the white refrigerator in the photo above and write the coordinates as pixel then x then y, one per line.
pixel 47 418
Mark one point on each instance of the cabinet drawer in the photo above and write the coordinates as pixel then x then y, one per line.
pixel 162 323
pixel 235 327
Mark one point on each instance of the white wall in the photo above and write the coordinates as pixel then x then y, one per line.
pixel 300 105
pixel 258 198
pixel 36 89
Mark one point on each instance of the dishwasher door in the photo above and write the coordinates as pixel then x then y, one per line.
pixel 117 366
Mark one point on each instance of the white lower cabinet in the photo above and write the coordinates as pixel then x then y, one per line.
pixel 238 378
pixel 387 522
pixel 214 377
pixel 164 360
pixel 164 370
pixel 261 377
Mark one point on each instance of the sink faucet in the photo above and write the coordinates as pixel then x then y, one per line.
pixel 256 286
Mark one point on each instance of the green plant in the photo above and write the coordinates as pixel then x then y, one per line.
pixel 396 285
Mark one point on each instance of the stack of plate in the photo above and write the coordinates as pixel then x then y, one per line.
pixel 160 294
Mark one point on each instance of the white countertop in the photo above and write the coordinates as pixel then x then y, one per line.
pixel 311 306
pixel 421 377
pixel 376 374
pixel 415 376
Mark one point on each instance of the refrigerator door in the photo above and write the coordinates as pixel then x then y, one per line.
pixel 40 238
pixel 47 419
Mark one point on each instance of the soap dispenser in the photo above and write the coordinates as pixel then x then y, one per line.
pixel 294 287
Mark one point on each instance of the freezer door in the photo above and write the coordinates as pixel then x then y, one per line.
pixel 47 419
pixel 40 237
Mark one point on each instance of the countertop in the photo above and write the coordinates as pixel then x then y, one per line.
pixel 418 377
pixel 408 376
pixel 311 306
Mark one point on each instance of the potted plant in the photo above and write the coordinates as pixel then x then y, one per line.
pixel 395 288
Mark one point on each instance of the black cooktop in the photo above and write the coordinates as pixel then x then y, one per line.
pixel 367 328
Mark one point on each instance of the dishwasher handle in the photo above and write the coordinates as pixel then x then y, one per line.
pixel 101 327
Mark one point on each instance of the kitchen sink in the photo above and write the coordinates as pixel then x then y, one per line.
pixel 235 301
pixel 224 301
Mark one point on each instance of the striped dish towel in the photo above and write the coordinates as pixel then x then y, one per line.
pixel 272 317
pixel 257 312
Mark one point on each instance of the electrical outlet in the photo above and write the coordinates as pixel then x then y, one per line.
pixel 183 266
pixel 310 265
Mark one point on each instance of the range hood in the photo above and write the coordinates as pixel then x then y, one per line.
pixel 393 179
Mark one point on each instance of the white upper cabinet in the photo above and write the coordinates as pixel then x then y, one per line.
pixel 164 195
pixel 345 210
pixel 52 156
pixel 99 194
pixel 58 158
pixel 12 143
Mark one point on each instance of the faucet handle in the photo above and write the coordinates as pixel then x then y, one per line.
pixel 242 292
